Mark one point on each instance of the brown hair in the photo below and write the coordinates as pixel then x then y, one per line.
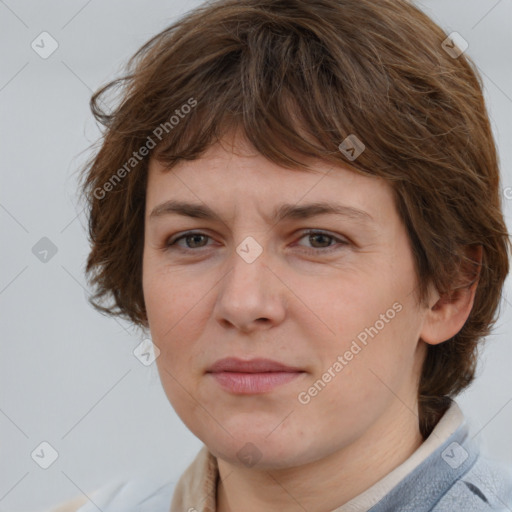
pixel 297 77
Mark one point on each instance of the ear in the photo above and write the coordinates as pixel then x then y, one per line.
pixel 448 313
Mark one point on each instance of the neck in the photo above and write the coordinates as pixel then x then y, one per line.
pixel 338 478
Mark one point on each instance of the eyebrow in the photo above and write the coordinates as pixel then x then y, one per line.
pixel 282 212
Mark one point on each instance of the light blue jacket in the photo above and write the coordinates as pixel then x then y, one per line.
pixel 454 478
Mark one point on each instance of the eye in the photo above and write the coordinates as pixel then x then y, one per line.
pixel 323 239
pixel 192 240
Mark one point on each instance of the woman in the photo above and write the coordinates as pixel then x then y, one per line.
pixel 300 201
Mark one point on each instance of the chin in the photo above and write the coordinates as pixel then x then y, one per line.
pixel 258 450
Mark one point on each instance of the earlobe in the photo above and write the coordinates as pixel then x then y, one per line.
pixel 448 313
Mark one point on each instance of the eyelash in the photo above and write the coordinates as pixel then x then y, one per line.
pixel 341 242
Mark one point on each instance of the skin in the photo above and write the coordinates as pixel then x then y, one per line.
pixel 302 303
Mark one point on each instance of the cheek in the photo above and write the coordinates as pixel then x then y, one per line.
pixel 372 321
pixel 347 309
pixel 179 308
pixel 172 310
pixel 170 306
pixel 168 295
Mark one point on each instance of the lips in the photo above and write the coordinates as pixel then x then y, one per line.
pixel 232 364
pixel 256 376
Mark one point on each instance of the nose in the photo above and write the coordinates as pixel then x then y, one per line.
pixel 250 296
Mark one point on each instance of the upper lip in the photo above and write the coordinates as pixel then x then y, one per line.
pixel 233 364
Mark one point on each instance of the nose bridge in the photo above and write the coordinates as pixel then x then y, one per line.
pixel 248 277
pixel 249 291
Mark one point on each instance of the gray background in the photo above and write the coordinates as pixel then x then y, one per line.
pixel 68 374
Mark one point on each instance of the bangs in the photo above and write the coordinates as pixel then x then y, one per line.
pixel 283 139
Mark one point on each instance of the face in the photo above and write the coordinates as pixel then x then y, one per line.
pixel 327 298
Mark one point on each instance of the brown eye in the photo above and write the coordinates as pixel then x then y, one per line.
pixel 321 240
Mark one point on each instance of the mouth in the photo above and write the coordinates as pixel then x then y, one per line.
pixel 255 376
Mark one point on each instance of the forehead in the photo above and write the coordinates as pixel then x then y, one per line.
pixel 232 176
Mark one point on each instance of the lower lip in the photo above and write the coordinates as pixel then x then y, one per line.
pixel 253 383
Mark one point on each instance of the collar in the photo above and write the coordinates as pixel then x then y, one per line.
pixel 196 490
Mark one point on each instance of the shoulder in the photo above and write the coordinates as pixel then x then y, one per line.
pixel 143 492
pixel 70 506
pixel 486 486
pixel 78 502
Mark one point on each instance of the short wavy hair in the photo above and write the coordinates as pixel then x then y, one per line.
pixel 297 77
